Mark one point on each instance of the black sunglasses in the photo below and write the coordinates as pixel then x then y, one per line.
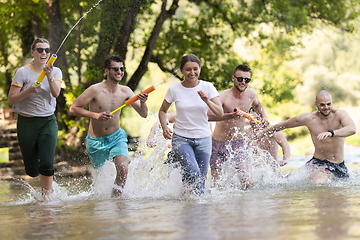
pixel 240 79
pixel 40 50
pixel 118 68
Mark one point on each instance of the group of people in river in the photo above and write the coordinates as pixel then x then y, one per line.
pixel 194 145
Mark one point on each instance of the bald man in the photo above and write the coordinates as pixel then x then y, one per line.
pixel 328 129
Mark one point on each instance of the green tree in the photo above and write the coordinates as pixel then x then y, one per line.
pixel 161 32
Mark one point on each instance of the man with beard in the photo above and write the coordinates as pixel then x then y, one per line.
pixel 228 142
pixel 106 141
pixel 328 129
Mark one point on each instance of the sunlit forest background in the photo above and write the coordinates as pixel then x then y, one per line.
pixel 295 49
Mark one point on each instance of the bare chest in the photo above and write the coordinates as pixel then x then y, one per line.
pixel 106 101
pixel 243 104
pixel 317 126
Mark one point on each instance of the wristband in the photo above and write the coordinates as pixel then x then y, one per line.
pixel 332 132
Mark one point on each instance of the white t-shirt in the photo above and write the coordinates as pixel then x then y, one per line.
pixel 40 104
pixel 191 111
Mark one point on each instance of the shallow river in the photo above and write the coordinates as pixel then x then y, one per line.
pixel 153 206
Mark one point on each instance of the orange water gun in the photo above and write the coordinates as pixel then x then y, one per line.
pixel 246 115
pixel 134 99
pixel 42 74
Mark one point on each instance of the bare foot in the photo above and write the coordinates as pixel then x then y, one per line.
pixel 117 192
pixel 46 195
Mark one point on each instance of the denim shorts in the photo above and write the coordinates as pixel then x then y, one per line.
pixel 102 149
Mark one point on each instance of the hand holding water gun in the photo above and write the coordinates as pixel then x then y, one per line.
pixel 42 74
pixel 246 115
pixel 134 99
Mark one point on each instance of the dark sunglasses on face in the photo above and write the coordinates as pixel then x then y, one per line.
pixel 240 79
pixel 118 68
pixel 40 50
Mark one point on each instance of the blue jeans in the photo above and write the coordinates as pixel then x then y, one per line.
pixel 193 155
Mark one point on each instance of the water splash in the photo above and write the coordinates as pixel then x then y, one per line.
pixel 32 196
pixel 150 177
pixel 67 35
pixel 174 75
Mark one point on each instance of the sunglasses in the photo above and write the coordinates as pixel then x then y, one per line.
pixel 118 68
pixel 40 50
pixel 240 79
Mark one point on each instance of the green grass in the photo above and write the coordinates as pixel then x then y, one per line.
pixel 353 140
pixel 301 146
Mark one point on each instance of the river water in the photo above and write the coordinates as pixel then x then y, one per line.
pixel 153 205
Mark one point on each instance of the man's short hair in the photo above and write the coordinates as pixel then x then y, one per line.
pixel 242 68
pixel 112 58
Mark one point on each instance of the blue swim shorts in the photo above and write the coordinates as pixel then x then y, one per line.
pixel 102 149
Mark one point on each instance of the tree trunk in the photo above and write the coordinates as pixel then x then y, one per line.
pixel 112 15
pixel 127 27
pixel 142 68
pixel 55 38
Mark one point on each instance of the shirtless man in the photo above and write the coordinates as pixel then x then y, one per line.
pixel 106 140
pixel 227 139
pixel 328 129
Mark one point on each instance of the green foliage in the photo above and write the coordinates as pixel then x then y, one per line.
pixel 328 62
pixel 353 140
pixel 271 32
pixel 73 121
pixel 61 142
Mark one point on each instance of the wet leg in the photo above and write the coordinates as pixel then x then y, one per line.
pixel 215 175
pixel 319 176
pixel 121 165
pixel 46 186
pixel 245 172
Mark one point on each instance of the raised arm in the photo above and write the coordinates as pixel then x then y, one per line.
pixel 55 85
pixel 214 104
pixel 163 121
pixel 296 121
pixel 140 106
pixel 285 147
pixel 15 96
pixel 150 139
pixel 258 107
pixel 171 116
pixel 348 127
pixel 85 98
pixel 214 118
